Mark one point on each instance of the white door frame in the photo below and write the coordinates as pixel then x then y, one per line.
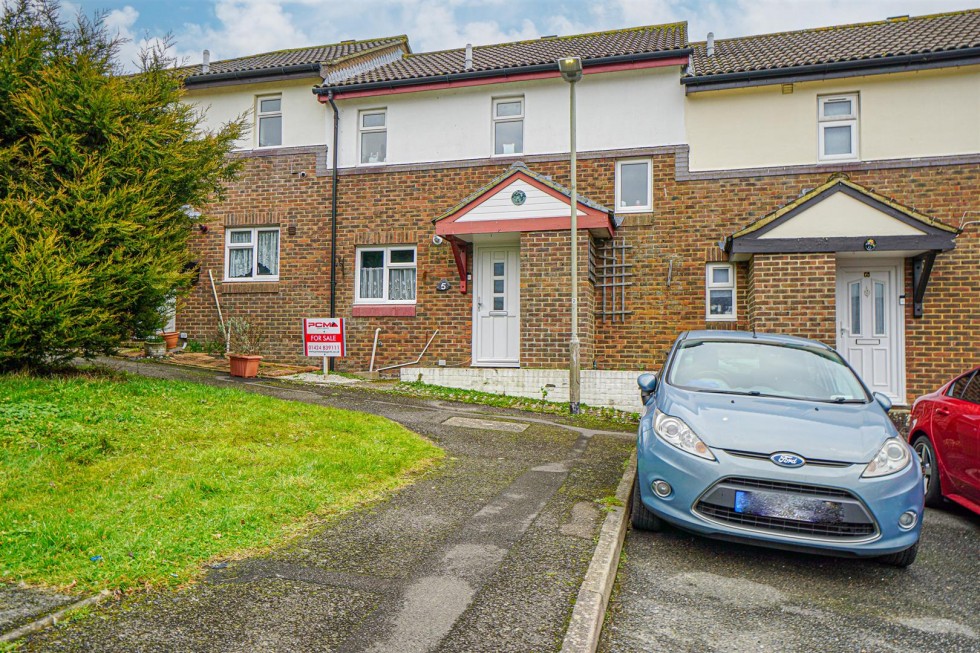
pixel 896 268
pixel 478 249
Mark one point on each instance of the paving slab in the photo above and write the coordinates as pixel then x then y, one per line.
pixel 484 553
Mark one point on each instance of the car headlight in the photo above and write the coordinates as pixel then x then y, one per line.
pixel 893 457
pixel 676 433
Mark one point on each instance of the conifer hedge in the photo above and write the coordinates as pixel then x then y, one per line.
pixel 96 166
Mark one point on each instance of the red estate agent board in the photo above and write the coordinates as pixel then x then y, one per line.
pixel 324 336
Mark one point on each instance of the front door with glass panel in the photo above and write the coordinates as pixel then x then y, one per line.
pixel 870 328
pixel 496 307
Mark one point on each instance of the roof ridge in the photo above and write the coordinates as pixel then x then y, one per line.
pixel 392 39
pixel 640 28
pixel 827 28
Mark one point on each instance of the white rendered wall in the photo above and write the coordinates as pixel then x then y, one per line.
pixel 601 388
pixel 639 108
pixel 304 119
pixel 921 114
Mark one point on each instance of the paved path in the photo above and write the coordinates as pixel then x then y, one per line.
pixel 682 593
pixel 486 553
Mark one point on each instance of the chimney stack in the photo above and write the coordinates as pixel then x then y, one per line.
pixel 710 50
pixel 468 63
pixel 206 66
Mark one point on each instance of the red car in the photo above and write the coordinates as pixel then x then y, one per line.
pixel 945 432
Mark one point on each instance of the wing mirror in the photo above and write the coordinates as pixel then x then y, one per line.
pixel 885 402
pixel 648 385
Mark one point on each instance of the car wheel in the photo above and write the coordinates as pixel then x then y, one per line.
pixel 640 515
pixel 930 470
pixel 902 558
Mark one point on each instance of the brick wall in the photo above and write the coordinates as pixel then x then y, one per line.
pixel 670 247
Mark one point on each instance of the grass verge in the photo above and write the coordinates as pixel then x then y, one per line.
pixel 112 481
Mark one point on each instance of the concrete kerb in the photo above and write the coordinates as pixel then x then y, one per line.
pixel 54 617
pixel 585 625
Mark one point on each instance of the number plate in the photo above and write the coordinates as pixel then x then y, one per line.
pixel 788 506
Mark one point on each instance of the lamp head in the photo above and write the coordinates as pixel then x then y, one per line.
pixel 570 68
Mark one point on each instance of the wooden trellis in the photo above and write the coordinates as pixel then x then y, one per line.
pixel 611 273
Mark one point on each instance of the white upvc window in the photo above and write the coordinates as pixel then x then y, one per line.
pixel 720 292
pixel 837 118
pixel 385 275
pixel 634 186
pixel 268 116
pixel 508 126
pixel 373 130
pixel 252 254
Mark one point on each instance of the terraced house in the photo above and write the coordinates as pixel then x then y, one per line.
pixel 822 182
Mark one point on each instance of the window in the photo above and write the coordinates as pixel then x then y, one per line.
pixel 972 392
pixel 252 254
pixel 838 122
pixel 720 292
pixel 373 126
pixel 957 387
pixel 385 275
pixel 270 120
pixel 633 186
pixel 508 126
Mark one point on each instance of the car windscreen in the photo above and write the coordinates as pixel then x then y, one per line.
pixel 764 368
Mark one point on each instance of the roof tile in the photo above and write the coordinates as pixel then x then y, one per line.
pixel 877 40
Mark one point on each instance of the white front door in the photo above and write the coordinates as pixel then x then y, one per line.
pixel 870 325
pixel 497 307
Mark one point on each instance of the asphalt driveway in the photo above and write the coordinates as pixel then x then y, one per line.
pixel 679 592
pixel 485 553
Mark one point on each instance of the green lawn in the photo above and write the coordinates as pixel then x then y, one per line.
pixel 112 481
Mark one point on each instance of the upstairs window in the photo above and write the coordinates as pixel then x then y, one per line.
pixel 838 124
pixel 508 126
pixel 252 254
pixel 385 275
pixel 269 113
pixel 373 126
pixel 720 292
pixel 633 193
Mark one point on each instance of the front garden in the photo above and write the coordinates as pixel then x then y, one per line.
pixel 113 481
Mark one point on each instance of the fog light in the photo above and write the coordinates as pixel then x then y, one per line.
pixel 907 519
pixel 661 488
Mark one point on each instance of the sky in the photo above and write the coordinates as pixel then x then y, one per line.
pixel 233 28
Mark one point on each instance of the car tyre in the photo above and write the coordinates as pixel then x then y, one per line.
pixel 640 515
pixel 902 558
pixel 927 454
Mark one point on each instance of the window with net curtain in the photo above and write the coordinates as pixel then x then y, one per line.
pixel 386 275
pixel 252 254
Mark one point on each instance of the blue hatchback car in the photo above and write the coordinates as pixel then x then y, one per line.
pixel 774 440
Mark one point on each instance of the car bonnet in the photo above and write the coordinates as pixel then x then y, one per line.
pixel 851 433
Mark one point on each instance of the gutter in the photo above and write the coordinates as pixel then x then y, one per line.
pixel 499 72
pixel 333 213
pixel 296 69
pixel 817 69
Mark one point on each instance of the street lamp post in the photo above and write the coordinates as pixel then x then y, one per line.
pixel 571 72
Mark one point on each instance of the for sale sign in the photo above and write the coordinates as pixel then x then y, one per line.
pixel 324 336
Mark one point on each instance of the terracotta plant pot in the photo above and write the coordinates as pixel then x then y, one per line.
pixel 171 338
pixel 244 366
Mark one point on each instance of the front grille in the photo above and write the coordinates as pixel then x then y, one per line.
pixel 781 486
pixel 785 525
pixel 795 509
pixel 814 462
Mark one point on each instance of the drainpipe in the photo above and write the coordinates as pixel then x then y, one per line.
pixel 333 213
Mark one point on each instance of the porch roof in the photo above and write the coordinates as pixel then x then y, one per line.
pixel 520 200
pixel 842 216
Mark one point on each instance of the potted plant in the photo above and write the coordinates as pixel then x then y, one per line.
pixel 154 347
pixel 244 341
pixel 171 338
